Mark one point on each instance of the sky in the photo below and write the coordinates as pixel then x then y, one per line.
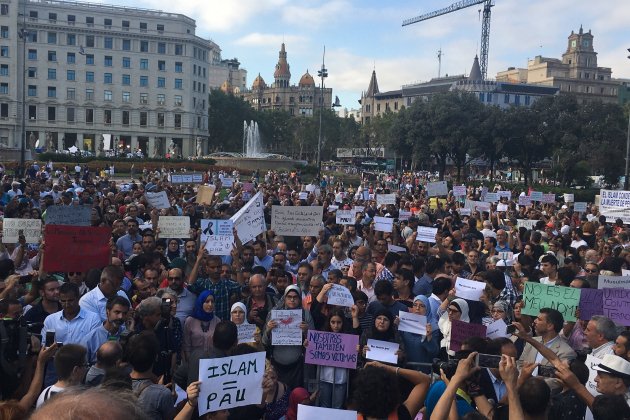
pixel 363 35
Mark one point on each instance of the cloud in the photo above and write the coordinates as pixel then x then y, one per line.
pixel 317 15
pixel 274 41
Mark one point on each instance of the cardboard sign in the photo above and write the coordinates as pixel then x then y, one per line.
pixel 346 217
pixel 524 200
pixel 340 296
pixel 569 198
pixel 383 224
pixel 459 190
pixel 218 236
pixel 612 282
pixel 249 221
pixel 413 323
pixel 437 189
pixel 308 412
pixel 296 220
pixel 461 331
pixel 174 226
pixel 384 199
pixel 616 305
pixel 76 248
pixel 536 195
pixel 564 299
pixel 469 289
pixel 246 333
pixel 12 229
pixel 230 382
pixel 288 332
pixel 159 200
pixel 426 234
pixel 496 329
pixel 404 215
pixel 205 194
pixel 332 349
pixel 591 303
pixel 383 351
pixel 69 215
pixel 579 207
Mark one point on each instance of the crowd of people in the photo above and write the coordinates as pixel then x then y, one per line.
pixel 125 340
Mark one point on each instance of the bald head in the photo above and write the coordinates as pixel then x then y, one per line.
pixel 109 354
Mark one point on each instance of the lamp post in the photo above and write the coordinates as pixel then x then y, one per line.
pixel 323 73
pixel 23 34
pixel 626 180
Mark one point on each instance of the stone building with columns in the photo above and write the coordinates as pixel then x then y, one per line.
pixel 101 77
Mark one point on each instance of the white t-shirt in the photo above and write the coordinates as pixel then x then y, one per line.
pixel 47 393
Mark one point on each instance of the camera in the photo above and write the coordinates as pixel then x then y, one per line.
pixel 165 308
pixel 449 367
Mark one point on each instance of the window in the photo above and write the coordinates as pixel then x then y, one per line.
pixel 144 98
pixel 70 94
pixel 32 112
pixel 4 10
pixel 89 116
pixel 71 58
pixel 178 100
pixel 125 117
pixel 161 99
pixel 178 83
pixel 52 114
pixel 126 79
pixel 194 89
pixel 126 97
pixel 89 41
pixel 4 31
pixel 52 17
pixel 528 100
pixel 108 62
pixel 161 65
pixel 179 68
pixel 4 70
pixel 161 48
pixel 89 94
pixel 482 96
pixel 126 45
pixel 178 120
pixel 161 82
pixel 160 119
pixel 4 51
pixel 144 46
pixel 89 76
pixel 506 98
pixel 89 59
pixel 144 64
pixel 107 95
pixel 143 119
pixel 517 99
pixel 4 110
pixel 143 26
pixel 32 54
pixel 126 62
pixel 160 28
pixel 52 92
pixel 107 23
pixel 52 74
pixel 89 21
pixel 32 90
pixel 108 42
pixel 489 97
pixel 52 55
pixel 144 81
pixel 70 75
pixel 107 78
pixel 4 88
pixel 71 20
pixel 32 15
pixel 71 39
pixel 179 49
pixel 31 36
pixel 70 115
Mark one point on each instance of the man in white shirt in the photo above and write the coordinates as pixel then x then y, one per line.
pixel 109 286
pixel 600 335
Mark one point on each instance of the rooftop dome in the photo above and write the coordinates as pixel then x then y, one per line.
pixel 259 82
pixel 306 80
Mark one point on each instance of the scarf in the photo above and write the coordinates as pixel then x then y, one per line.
pixel 198 312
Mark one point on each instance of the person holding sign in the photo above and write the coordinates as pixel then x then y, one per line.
pixel 457 309
pixel 422 348
pixel 382 329
pixel 248 333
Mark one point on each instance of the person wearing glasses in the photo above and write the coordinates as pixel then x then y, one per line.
pixel 457 309
pixel 185 298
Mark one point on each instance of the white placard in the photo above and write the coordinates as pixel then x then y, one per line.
pixel 506 194
pixel 311 188
pixel 569 198
pixel 491 197
pixel 464 211
pixel 502 207
pixel 229 382
pixel 482 206
pixel 524 200
pixel 303 196
pixel 592 362
pixel 615 204
pixel 437 189
pixel 181 395
pixel 358 209
pixel 404 215
pixel 383 224
pixel 296 220
pixel 13 228
pixel 288 331
pixel 507 256
pixel 246 333
pixel 549 198
pixel 496 329
pixel 412 323
pixel 383 351
pixel 174 226
pixel 346 217
pixel 579 206
pixel 332 208
pixel 218 236
pixel 536 195
pixel 340 296
pixel 459 190
pixel 396 248
pixel 625 272
pixel 159 200
pixel 613 282
pixel 384 199
pixel 526 223
pixel 309 412
pixel 249 221
pixel 227 182
pixel 469 289
pixel 426 234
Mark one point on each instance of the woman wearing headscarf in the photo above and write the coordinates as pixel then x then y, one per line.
pixel 172 249
pixel 288 360
pixel 382 329
pixel 199 327
pixel 422 348
pixel 238 315
pixel 457 309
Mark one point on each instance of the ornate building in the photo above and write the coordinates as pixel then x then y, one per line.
pixel 302 99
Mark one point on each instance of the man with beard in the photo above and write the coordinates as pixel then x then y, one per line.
pixel 49 291
pixel 116 309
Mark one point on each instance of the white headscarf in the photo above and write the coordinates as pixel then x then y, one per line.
pixel 241 306
pixel 445 324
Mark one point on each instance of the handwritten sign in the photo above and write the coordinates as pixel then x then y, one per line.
pixel 469 289
pixel 591 303
pixel 502 207
pixel 229 382
pixel 308 412
pixel 612 282
pixel 249 221
pixel 246 333
pixel 579 207
pixel 404 215
pixel 205 194
pixel 526 223
pixel 346 217
pixel 296 220
pixel 505 194
pixel 383 351
pixel 227 182
pixel 69 215
pixel 524 200
pixel 340 296
pixel 159 200
pixel 76 248
pixel 358 209
pixel 288 332
pixel 12 229
pixel 459 190
pixel 413 323
pixel 536 195
pixel 461 331
pixel 426 234
pixel 174 226
pixel 384 199
pixel 436 189
pixel 591 363
pixel 616 305
pixel 496 329
pixel 549 198
pixel 303 195
pixel 383 224
pixel 332 349
pixel 491 197
pixel 218 236
pixel 569 198
pixel 465 211
pixel 564 299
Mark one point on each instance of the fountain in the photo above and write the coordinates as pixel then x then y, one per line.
pixel 251 140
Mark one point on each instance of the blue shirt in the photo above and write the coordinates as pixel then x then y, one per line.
pixel 125 244
pixel 95 339
pixel 265 262
pixel 95 301
pixel 423 286
pixel 71 331
pixel 499 386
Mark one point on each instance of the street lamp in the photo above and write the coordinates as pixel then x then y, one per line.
pixel 23 34
pixel 323 73
pixel 626 180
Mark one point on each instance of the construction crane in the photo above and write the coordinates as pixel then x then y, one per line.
pixel 485 26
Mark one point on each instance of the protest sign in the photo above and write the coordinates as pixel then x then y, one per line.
pixel 502 207
pixel 426 234
pixel 437 189
pixel 229 382
pixel 383 224
pixel 460 331
pixel 507 256
pixel 246 333
pixel 396 248
pixel 496 329
pixel 536 195
pixel 412 323
pixel 568 198
pixel 332 349
pixel 303 196
pixel 591 303
pixel 287 332
pixel 465 212
pixel 564 299
pixel 296 220
pixel 491 197
pixel 217 235
pixel 470 204
pixel 526 223
pixel 159 200
pixel 469 289
pixel 309 412
pixel 227 182
pixel 611 282
pixel 174 226
pixel 249 221
pixel 192 178
pixel 358 209
pixel 340 296
pixel 579 207
pixel 625 272
pixel 616 305
pixel 383 351
pixel 248 186
pixel 591 363
pixel 549 198
pixel 384 199
pixel 76 248
pixel 346 217
pixel 332 208
pixel 505 194
pixel 524 200
pixel 404 215
pixel 482 206
pixel 205 194
pixel 459 190
pixel 69 215
pixel 12 229
pixel 311 188
pixel 615 205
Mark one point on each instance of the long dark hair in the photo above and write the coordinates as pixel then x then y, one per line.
pixel 345 323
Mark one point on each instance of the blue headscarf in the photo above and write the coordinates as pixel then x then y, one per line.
pixel 430 317
pixel 198 311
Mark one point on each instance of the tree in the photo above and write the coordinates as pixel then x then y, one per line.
pixel 525 144
pixel 492 137
pixel 226 114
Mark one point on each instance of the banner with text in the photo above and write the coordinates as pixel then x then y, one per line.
pixel 296 220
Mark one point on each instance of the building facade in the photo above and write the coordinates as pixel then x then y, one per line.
pixel 102 77
pixel 301 99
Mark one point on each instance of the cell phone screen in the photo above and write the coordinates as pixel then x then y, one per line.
pixel 50 338
pixel 511 329
pixel 488 360
pixel 547 371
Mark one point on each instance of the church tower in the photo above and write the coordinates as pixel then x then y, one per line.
pixel 282 75
pixel 580 55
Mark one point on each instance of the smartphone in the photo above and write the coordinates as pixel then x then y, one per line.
pixel 547 371
pixel 59 344
pixel 50 338
pixel 487 360
pixel 26 279
pixel 511 329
